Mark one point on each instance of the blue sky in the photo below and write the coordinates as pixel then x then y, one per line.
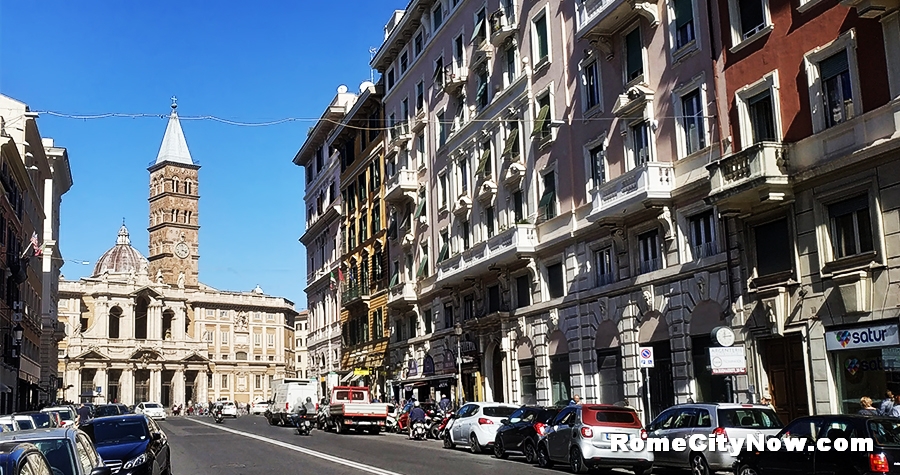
pixel 243 61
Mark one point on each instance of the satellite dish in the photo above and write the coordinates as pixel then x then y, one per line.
pixel 342 89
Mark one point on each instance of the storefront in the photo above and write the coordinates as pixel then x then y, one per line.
pixel 866 362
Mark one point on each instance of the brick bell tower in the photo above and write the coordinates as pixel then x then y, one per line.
pixel 174 222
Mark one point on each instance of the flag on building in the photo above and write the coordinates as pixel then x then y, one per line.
pixel 333 281
pixel 38 252
pixel 340 275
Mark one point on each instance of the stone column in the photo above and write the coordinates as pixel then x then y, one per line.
pixel 101 317
pixel 156 384
pixel 178 323
pixel 178 386
pixel 73 379
pixel 202 385
pixel 100 381
pixel 154 321
pixel 126 323
pixel 126 386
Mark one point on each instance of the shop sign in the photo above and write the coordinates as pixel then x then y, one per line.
pixel 449 362
pixel 728 360
pixel 412 368
pixel 866 337
pixel 360 372
pixel 428 366
pixel 468 347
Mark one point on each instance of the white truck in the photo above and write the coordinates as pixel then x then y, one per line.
pixel 350 408
pixel 286 394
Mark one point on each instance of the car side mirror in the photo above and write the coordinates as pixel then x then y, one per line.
pixel 101 471
pixel 504 422
pixel 154 436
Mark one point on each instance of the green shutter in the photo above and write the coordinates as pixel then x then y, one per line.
pixel 684 13
pixel 477 31
pixel 421 207
pixel 438 70
pixel 547 198
pixel 445 252
pixel 482 164
pixel 394 279
pixel 541 119
pixel 481 90
pixel 511 141
pixel 422 266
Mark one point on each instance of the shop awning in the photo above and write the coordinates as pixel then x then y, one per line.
pixel 346 377
pixel 425 380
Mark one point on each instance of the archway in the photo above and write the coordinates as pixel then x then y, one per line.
pixel 140 318
pixel 167 317
pixel 560 384
pixel 654 332
pixel 610 383
pixel 115 315
pixel 708 388
pixel 527 379
pixel 494 367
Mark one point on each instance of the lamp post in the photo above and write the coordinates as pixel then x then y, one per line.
pixel 17 346
pixel 66 381
pixel 458 330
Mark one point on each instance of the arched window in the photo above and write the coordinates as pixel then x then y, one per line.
pixel 174 215
pixel 188 187
pixel 140 318
pixel 115 314
pixel 168 317
pixel 175 184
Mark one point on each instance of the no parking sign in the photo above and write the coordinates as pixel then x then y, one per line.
pixel 645 356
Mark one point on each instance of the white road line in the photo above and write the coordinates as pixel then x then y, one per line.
pixel 295 448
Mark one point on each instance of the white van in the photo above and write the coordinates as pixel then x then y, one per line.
pixel 286 394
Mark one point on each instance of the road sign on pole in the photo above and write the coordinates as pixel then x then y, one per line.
pixel 645 357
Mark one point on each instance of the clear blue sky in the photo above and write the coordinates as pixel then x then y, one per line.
pixel 244 61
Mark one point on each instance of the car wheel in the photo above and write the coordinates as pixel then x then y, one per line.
pixel 448 442
pixel 747 470
pixel 699 465
pixel 530 453
pixel 474 446
pixel 576 461
pixel 499 451
pixel 543 457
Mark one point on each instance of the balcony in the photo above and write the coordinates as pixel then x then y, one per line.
pixel 503 28
pixel 420 120
pixel 503 249
pixel 455 79
pixel 317 224
pixel 402 295
pixel 752 176
pixel 602 18
pixel 402 186
pixel 629 192
pixel 353 292
pixel 463 206
pixel 399 134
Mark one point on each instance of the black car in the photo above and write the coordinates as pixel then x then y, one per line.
pixel 20 458
pixel 130 444
pixel 110 410
pixel 68 450
pixel 838 429
pixel 521 431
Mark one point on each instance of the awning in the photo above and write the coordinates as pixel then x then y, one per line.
pixel 346 377
pixel 355 377
pixel 425 380
pixel 5 389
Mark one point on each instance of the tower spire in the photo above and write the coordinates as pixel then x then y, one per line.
pixel 174 147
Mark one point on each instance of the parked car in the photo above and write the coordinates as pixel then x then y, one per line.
pixel 151 409
pixel 68 450
pixel 885 458
pixel 731 420
pixel 229 409
pixel 259 407
pixel 131 444
pixel 42 420
pixel 581 436
pixel 521 431
pixel 8 424
pixel 67 414
pixel 475 425
pixel 110 410
pixel 20 458
pixel 24 422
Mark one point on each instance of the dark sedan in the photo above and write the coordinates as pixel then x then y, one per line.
pixel 110 410
pixel 20 458
pixel 884 457
pixel 130 444
pixel 68 450
pixel 521 431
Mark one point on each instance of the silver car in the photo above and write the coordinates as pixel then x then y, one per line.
pixel 581 436
pixel 732 421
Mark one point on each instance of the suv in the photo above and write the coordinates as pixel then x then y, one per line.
pixel 733 421
pixel 582 436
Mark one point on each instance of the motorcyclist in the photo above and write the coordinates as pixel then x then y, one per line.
pixel 416 414
pixel 309 406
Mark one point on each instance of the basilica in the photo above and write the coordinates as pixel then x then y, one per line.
pixel 146 329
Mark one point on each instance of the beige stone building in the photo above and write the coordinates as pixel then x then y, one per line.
pixel 301 337
pixel 146 329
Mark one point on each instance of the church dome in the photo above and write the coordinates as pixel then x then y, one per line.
pixel 122 258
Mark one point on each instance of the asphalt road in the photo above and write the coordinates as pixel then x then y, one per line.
pixel 249 445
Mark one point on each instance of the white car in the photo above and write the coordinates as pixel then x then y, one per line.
pixel 9 424
pixel 24 422
pixel 154 410
pixel 229 409
pixel 475 425
pixel 66 414
pixel 259 407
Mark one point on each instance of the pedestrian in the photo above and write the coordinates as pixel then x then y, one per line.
pixel 895 411
pixel 444 403
pixel 84 414
pixel 576 400
pixel 887 404
pixel 867 409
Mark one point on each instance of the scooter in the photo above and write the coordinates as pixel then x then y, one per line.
pixel 303 423
pixel 219 417
pixel 418 431
pixel 444 430
pixel 434 425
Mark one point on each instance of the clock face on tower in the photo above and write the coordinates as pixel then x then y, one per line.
pixel 182 250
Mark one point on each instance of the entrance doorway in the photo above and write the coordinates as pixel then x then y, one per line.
pixel 662 383
pixel 783 362
pixel 497 374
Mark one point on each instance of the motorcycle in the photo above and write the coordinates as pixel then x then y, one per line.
pixel 219 417
pixel 418 431
pixel 303 423
pixel 434 424
pixel 444 430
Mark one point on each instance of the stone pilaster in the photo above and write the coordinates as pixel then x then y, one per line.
pixel 126 386
pixel 100 382
pixel 178 386
pixel 156 384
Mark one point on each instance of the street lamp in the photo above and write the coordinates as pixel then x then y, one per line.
pixel 17 350
pixel 458 330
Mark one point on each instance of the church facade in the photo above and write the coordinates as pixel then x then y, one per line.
pixel 146 329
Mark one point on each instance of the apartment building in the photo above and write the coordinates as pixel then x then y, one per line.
pixel 301 336
pixel 322 167
pixel 364 252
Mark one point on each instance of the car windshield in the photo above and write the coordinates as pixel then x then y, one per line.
pixel 65 415
pixel 103 411
pixel 116 431
pixel 885 432
pixel 152 405
pixel 749 418
pixel 498 411
pixel 41 420
pixel 59 454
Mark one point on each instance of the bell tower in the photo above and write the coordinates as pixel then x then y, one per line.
pixel 174 221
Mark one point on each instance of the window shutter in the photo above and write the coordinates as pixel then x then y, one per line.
pixel 852 205
pixel 481 90
pixel 834 65
pixel 541 118
pixel 477 31
pixel 684 13
pixel 394 279
pixel 482 164
pixel 511 141
pixel 445 252
pixel 547 197
pixel 420 208
pixel 422 267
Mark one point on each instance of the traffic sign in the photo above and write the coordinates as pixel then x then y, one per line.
pixel 645 356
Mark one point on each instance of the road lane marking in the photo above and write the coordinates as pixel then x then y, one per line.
pixel 303 450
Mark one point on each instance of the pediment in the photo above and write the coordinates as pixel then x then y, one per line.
pixel 633 101
pixel 92 354
pixel 148 291
pixel 148 354
pixel 195 358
